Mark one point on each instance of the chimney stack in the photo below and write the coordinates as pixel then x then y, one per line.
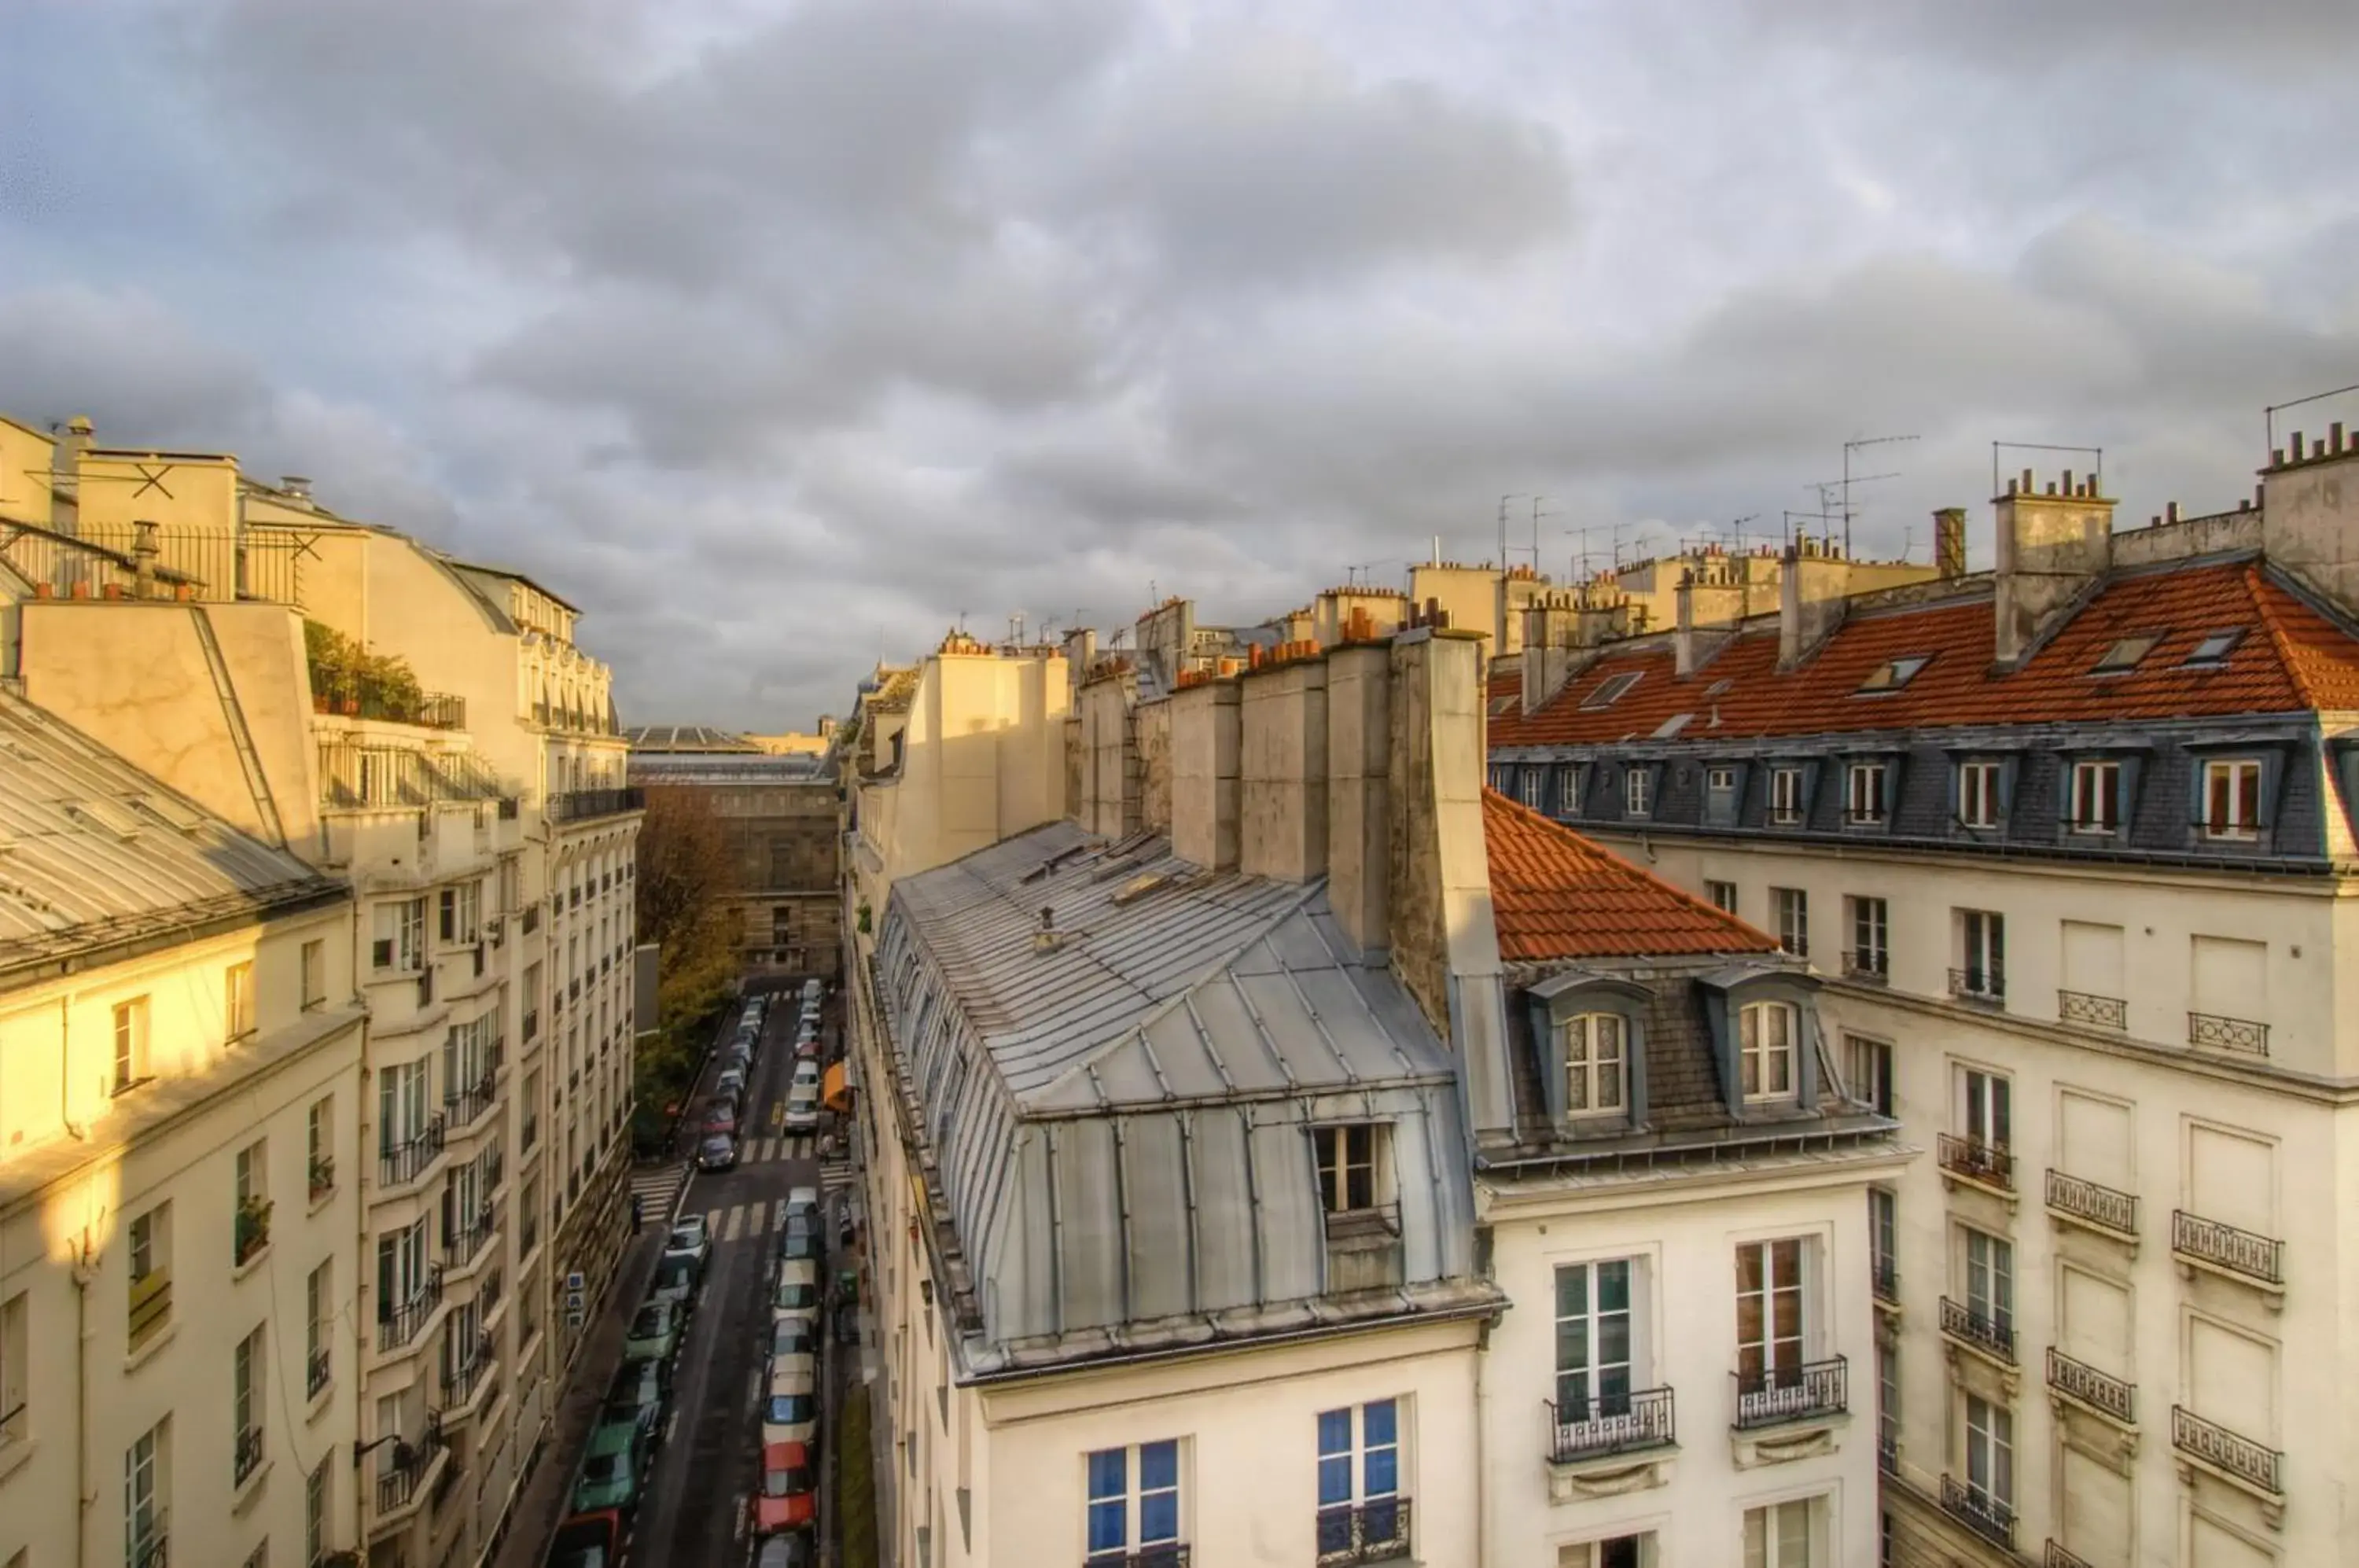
pixel 1950 542
pixel 2309 515
pixel 1204 742
pixel 1703 609
pixel 1811 602
pixel 77 439
pixel 1359 817
pixel 144 551
pixel 2050 547
pixel 1282 755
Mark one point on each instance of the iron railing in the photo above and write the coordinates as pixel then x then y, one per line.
pixel 402 1163
pixel 1976 1161
pixel 11 1423
pixel 1978 1512
pixel 150 1549
pixel 1884 1278
pixel 2238 1455
pixel 2096 1012
pixel 396 1482
pixel 460 1380
pixel 2228 1034
pixel 391 777
pixel 1175 1555
pixel 462 1107
pixel 1777 1394
pixel 315 1376
pixel 2257 1257
pixel 460 1247
pixel 1613 1424
pixel 579 805
pixel 2093 1202
pixel 1887 1453
pixel 1988 985
pixel 398 1325
pixel 2057 1557
pixel 360 700
pixel 1373 1532
pixel 1871 964
pixel 250 1231
pixel 246 1456
pixel 151 1304
pixel 1985 1333
pixel 2098 1390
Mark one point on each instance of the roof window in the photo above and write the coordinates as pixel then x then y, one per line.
pixel 1611 688
pixel 2124 656
pixel 1717 687
pixel 2215 647
pixel 1672 725
pixel 1894 673
pixel 1501 705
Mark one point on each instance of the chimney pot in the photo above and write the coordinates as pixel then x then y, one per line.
pixel 2069 490
pixel 1048 918
pixel 2294 446
pixel 2170 512
pixel 2051 488
pixel 2277 457
pixel 2318 449
pixel 2028 485
pixel 2334 436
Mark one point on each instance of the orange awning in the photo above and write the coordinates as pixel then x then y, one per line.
pixel 834 1093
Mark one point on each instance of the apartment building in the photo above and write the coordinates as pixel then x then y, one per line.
pixel 2067 844
pixel 426 731
pixel 180 1102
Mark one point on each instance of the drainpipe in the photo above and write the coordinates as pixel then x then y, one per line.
pixel 83 1268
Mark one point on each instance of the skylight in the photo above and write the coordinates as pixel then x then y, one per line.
pixel 1895 674
pixel 1501 705
pixel 1611 688
pixel 2124 656
pixel 2214 649
pixel 1672 725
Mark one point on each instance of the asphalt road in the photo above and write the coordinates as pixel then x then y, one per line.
pixel 698 1505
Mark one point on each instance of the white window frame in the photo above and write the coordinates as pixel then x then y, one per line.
pixel 1792 908
pixel 131 1066
pixel 2096 797
pixel 1981 952
pixel 1781 1347
pixel 1864 798
pixel 1358 1452
pixel 247 1373
pixel 237 1000
pixel 1592 1389
pixel 1567 790
pixel 460 921
pixel 402 1103
pixel 1883 1227
pixel 1869 1062
pixel 2232 800
pixel 1785 806
pixel 1990 1451
pixel 1986 1106
pixel 1764 1061
pixel 1597 1065
pixel 313 972
pixel 1721 896
pixel 1720 781
pixel 144 1502
pixel 1978 791
pixel 1637 791
pixel 1529 784
pixel 397 945
pixel 1768 1542
pixel 1134 1497
pixel 1871 934
pixel 1987 1266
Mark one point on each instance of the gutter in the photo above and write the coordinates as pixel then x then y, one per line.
pixel 1487 1311
pixel 318 893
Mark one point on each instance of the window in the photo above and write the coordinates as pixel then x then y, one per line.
pixel 318 1495
pixel 1887 1402
pixel 251 1219
pixel 1793 906
pixel 1883 1233
pixel 1594 1345
pixel 1595 1058
pixel 1864 793
pixel 150 1263
pixel 1870 934
pixel 1978 784
pixel 1869 1062
pixel 320 1145
pixel 260 1556
pixel 315 974
pixel 2097 796
pixel 1359 1471
pixel 319 1327
pixel 1611 689
pixel 16 1351
pixel 1613 1552
pixel 1784 796
pixel 246 1403
pixel 1347 1167
pixel 400 938
pixel 2213 650
pixel 130 1044
pixel 2232 799
pixel 143 1497
pixel 1780 1535
pixel 1770 1312
pixel 1982 940
pixel 1719 796
pixel 1990 1277
pixel 1986 1108
pixel 1721 896
pixel 1767 1038
pixel 401 1104
pixel 237 1001
pixel 1990 1451
pixel 1637 791
pixel 1567 790
pixel 1528 783
pixel 2123 655
pixel 1893 674
pixel 1133 1500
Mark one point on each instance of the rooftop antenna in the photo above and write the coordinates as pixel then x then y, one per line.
pixel 1537 516
pixel 1736 532
pixel 1850 447
pixel 1512 495
pixel 2269 420
pixel 1835 498
pixel 1581 555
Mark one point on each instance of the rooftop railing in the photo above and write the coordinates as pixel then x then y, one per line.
pixel 579 805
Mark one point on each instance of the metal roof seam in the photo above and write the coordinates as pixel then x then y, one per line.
pixel 1350 1075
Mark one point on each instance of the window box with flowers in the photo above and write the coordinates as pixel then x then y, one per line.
pixel 253 1229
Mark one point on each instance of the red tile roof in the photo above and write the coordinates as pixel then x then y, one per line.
pixel 1555 894
pixel 2291 658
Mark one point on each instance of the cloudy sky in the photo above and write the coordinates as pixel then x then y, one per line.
pixel 777 334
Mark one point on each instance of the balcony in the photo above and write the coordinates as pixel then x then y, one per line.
pixel 463 1246
pixel 1616 1424
pixel 1871 966
pixel 1983 987
pixel 1979 1331
pixel 151 1305
pixel 1973 1159
pixel 2092 1011
pixel 462 1109
pixel 2086 1202
pixel 1373 1532
pixel 2226 1453
pixel 2100 1391
pixel 315 1373
pixel 531 1025
pixel 579 805
pixel 1173 1556
pixel 2224 1249
pixel 1978 1512
pixel 247 1454
pixel 1884 1280
pixel 1775 1396
pixel 323 1177
pixel 406 1467
pixel 460 1381
pixel 401 1163
pixel 2212 1032
pixel 149 1548
pixel 398 1325
pixel 2057 1557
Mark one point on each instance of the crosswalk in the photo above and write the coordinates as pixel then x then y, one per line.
pixel 655 1187
pixel 763 1150
pixel 737 1220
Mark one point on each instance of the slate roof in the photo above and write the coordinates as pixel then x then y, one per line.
pixel 1555 894
pixel 2292 658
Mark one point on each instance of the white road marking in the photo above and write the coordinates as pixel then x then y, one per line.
pixel 713 1222
pixel 753 1387
pixel 736 1224
pixel 778 1218
pixel 671 1427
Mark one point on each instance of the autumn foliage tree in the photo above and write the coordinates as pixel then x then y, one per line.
pixel 684 878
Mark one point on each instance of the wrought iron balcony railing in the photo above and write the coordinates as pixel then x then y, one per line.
pixel 1887 1453
pixel 1883 1279
pixel 151 1548
pixel 2237 1455
pixel 577 805
pixel 1373 1532
pixel 251 1230
pixel 401 1163
pixel 1979 1511
pixel 1872 964
pixel 316 1368
pixel 2098 1390
pixel 463 1107
pixel 1991 1335
pixel 2091 1201
pixel 1976 1161
pixel 2058 1557
pixel 1986 985
pixel 460 1246
pixel 1775 1395
pixel 2218 1033
pixel 1614 1424
pixel 397 1324
pixel 248 1454
pixel 1175 1555
pixel 2259 1258
pixel 2092 1011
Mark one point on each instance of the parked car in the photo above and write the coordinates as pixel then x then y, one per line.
pixel 689 1237
pixel 611 1470
pixel 806 1077
pixel 802 1109
pixel 815 989
pixel 791 1338
pixel 596 1540
pixel 717 1152
pixel 789 1497
pixel 795 1549
pixel 731 1082
pixel 800 1237
pixel 637 1398
pixel 790 1414
pixel 677 1280
pixel 655 1332
pixel 795 1291
pixel 721 1118
pixel 801 1201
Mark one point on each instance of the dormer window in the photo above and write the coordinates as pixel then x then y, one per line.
pixel 1865 798
pixel 1978 794
pixel 1347 1167
pixel 1784 796
pixel 1568 789
pixel 1597 1062
pixel 1767 1036
pixel 2232 799
pixel 2212 652
pixel 1611 689
pixel 1637 791
pixel 2124 654
pixel 2096 803
pixel 1893 674
pixel 1532 781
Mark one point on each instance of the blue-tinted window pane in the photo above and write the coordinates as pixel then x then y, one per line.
pixel 1383 1471
pixel 1378 1423
pixel 1106 1472
pixel 1106 1522
pixel 1334 1432
pixel 1158 1518
pixel 1613 1287
pixel 1335 1480
pixel 1158 1466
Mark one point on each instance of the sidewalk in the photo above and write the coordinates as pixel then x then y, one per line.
pixel 541 1505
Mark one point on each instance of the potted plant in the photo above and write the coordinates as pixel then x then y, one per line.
pixel 253 1227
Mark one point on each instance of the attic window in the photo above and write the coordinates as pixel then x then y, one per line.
pixel 1893 674
pixel 1611 688
pixel 2215 647
pixel 1501 705
pixel 2124 656
pixel 1672 725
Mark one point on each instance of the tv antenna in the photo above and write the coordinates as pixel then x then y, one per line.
pixel 1580 556
pixel 1852 446
pixel 1537 516
pixel 1512 495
